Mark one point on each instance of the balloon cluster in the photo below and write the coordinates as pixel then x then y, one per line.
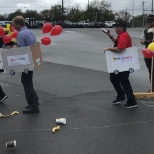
pixel 8 34
pixel 54 31
pixel 149 52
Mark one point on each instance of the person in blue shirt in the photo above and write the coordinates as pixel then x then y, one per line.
pixel 26 38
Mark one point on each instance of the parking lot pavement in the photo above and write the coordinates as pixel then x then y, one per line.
pixel 93 125
pixel 84 97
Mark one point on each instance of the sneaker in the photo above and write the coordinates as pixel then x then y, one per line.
pixel 129 106
pixel 119 100
pixel 3 98
pixel 31 109
pixel 27 107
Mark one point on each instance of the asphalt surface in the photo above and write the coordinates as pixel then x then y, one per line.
pixel 73 83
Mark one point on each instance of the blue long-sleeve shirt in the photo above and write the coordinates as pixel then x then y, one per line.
pixel 25 37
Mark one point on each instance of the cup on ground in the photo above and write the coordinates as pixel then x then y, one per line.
pixel 11 144
pixel 61 120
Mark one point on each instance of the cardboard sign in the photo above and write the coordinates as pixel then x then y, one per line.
pixel 37 55
pixel 126 60
pixel 22 59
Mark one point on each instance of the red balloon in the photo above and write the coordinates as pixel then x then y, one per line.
pixel 7 39
pixel 46 40
pixel 147 53
pixel 47 27
pixel 14 34
pixel 56 30
pixel 2 32
pixel 12 28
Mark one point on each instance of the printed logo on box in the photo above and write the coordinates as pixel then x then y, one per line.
pixel 18 60
pixel 123 59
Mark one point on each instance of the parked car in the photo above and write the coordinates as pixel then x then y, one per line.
pixel 101 24
pixel 4 23
pixel 65 23
pixel 96 24
pixel 109 23
pixel 93 24
pixel 83 24
pixel 75 24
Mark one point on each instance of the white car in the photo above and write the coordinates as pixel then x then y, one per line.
pixel 109 23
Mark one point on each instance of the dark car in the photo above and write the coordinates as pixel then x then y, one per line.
pixel 96 24
pixel 77 25
pixel 101 24
pixel 4 23
pixel 65 23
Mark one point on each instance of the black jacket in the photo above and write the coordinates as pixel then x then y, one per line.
pixel 148 37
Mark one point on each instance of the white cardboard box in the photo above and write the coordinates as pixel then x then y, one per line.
pixel 127 60
pixel 21 59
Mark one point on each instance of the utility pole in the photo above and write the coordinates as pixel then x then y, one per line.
pixel 152 7
pixel 126 14
pixel 143 12
pixel 132 14
pixel 62 9
pixel 88 11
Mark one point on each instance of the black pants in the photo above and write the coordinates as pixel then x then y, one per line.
pixel 122 85
pixel 30 94
pixel 2 94
pixel 148 64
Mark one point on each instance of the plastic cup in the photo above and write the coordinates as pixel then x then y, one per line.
pixel 61 120
pixel 11 144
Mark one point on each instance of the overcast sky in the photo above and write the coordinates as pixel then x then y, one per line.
pixel 39 5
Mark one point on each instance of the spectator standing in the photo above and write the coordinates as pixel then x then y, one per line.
pixel 26 38
pixel 147 38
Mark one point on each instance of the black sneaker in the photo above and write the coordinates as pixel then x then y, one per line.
pixel 119 100
pixel 31 109
pixel 130 105
pixel 3 98
pixel 27 107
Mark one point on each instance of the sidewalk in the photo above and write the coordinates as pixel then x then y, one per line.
pixel 84 97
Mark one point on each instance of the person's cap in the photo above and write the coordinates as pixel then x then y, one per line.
pixel 150 17
pixel 120 24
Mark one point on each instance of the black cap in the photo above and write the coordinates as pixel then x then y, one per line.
pixel 120 24
pixel 150 17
